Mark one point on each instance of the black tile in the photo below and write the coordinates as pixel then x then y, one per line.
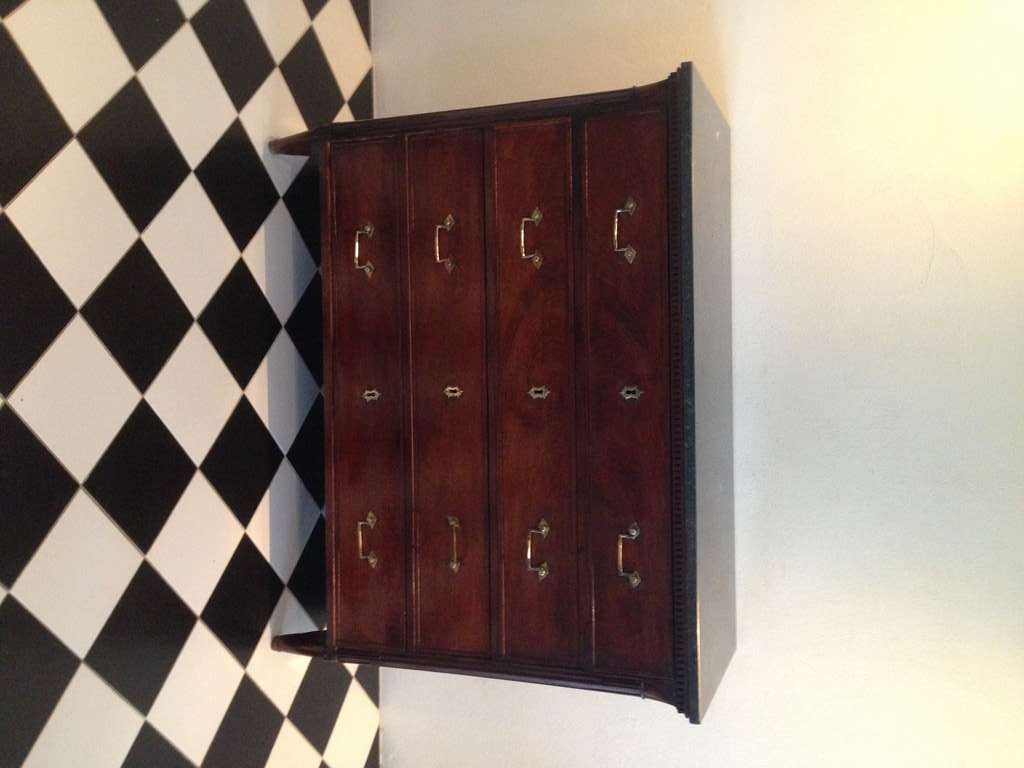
pixel 151 750
pixel 318 701
pixel 241 604
pixel 362 9
pixel 240 323
pixel 369 679
pixel 303 202
pixel 361 101
pixel 35 668
pixel 134 153
pixel 31 129
pixel 142 28
pixel 34 490
pixel 248 731
pixel 242 461
pixel 308 580
pixel 138 315
pixel 141 476
pixel 314 7
pixel 311 81
pixel 235 47
pixel 141 640
pixel 237 184
pixel 33 308
pixel 305 326
pixel 307 451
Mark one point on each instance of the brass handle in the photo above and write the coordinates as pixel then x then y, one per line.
pixel 366 229
pixel 631 534
pixel 370 522
pixel 628 251
pixel 542 570
pixel 446 225
pixel 454 564
pixel 534 257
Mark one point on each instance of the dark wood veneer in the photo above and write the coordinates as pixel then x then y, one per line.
pixel 628 368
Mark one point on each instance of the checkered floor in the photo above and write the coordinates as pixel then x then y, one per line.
pixel 161 477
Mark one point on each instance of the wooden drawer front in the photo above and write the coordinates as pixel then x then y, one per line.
pixel 367 397
pixel 626 453
pixel 534 395
pixel 448 390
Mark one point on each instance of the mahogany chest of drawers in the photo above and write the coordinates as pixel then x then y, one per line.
pixel 528 391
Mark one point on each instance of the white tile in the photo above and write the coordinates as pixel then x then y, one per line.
pixel 279 675
pixel 76 398
pixel 192 245
pixel 91 727
pixel 279 260
pixel 73 222
pixel 281 22
pixel 194 394
pixel 282 391
pixel 186 91
pixel 78 574
pixel 354 730
pixel 291 750
pixel 74 53
pixel 189 7
pixel 270 114
pixel 197 693
pixel 342 39
pixel 196 543
pixel 281 525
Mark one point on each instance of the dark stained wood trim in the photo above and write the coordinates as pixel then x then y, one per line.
pixel 304 643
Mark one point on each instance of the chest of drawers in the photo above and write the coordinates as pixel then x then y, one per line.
pixel 528 398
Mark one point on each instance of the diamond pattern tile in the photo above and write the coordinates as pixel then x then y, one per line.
pixel 233 42
pixel 134 152
pixel 243 601
pixel 141 216
pixel 31 128
pixel 34 487
pixel 76 416
pixel 248 732
pixel 138 315
pixel 142 28
pixel 311 81
pixel 141 476
pixel 33 308
pixel 142 637
pixel 240 323
pixel 318 702
pixel 73 52
pixel 77 575
pixel 238 184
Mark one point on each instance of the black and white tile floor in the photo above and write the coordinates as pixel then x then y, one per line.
pixel 161 479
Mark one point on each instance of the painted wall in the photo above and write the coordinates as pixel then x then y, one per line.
pixel 878 230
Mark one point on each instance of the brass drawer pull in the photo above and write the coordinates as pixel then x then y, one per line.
pixel 628 251
pixel 542 570
pixel 446 225
pixel 534 257
pixel 366 229
pixel 631 534
pixel 454 564
pixel 369 522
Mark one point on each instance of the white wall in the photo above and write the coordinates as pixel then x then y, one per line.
pixel 878 230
